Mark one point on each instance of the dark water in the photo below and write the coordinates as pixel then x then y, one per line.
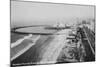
pixel 16 36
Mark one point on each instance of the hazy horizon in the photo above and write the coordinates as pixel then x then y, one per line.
pixel 32 13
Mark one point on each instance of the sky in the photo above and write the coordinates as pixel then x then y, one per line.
pixel 36 13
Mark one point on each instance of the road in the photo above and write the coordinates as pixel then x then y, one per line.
pixel 88 40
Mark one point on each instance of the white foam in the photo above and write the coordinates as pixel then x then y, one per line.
pixel 20 41
pixel 26 48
